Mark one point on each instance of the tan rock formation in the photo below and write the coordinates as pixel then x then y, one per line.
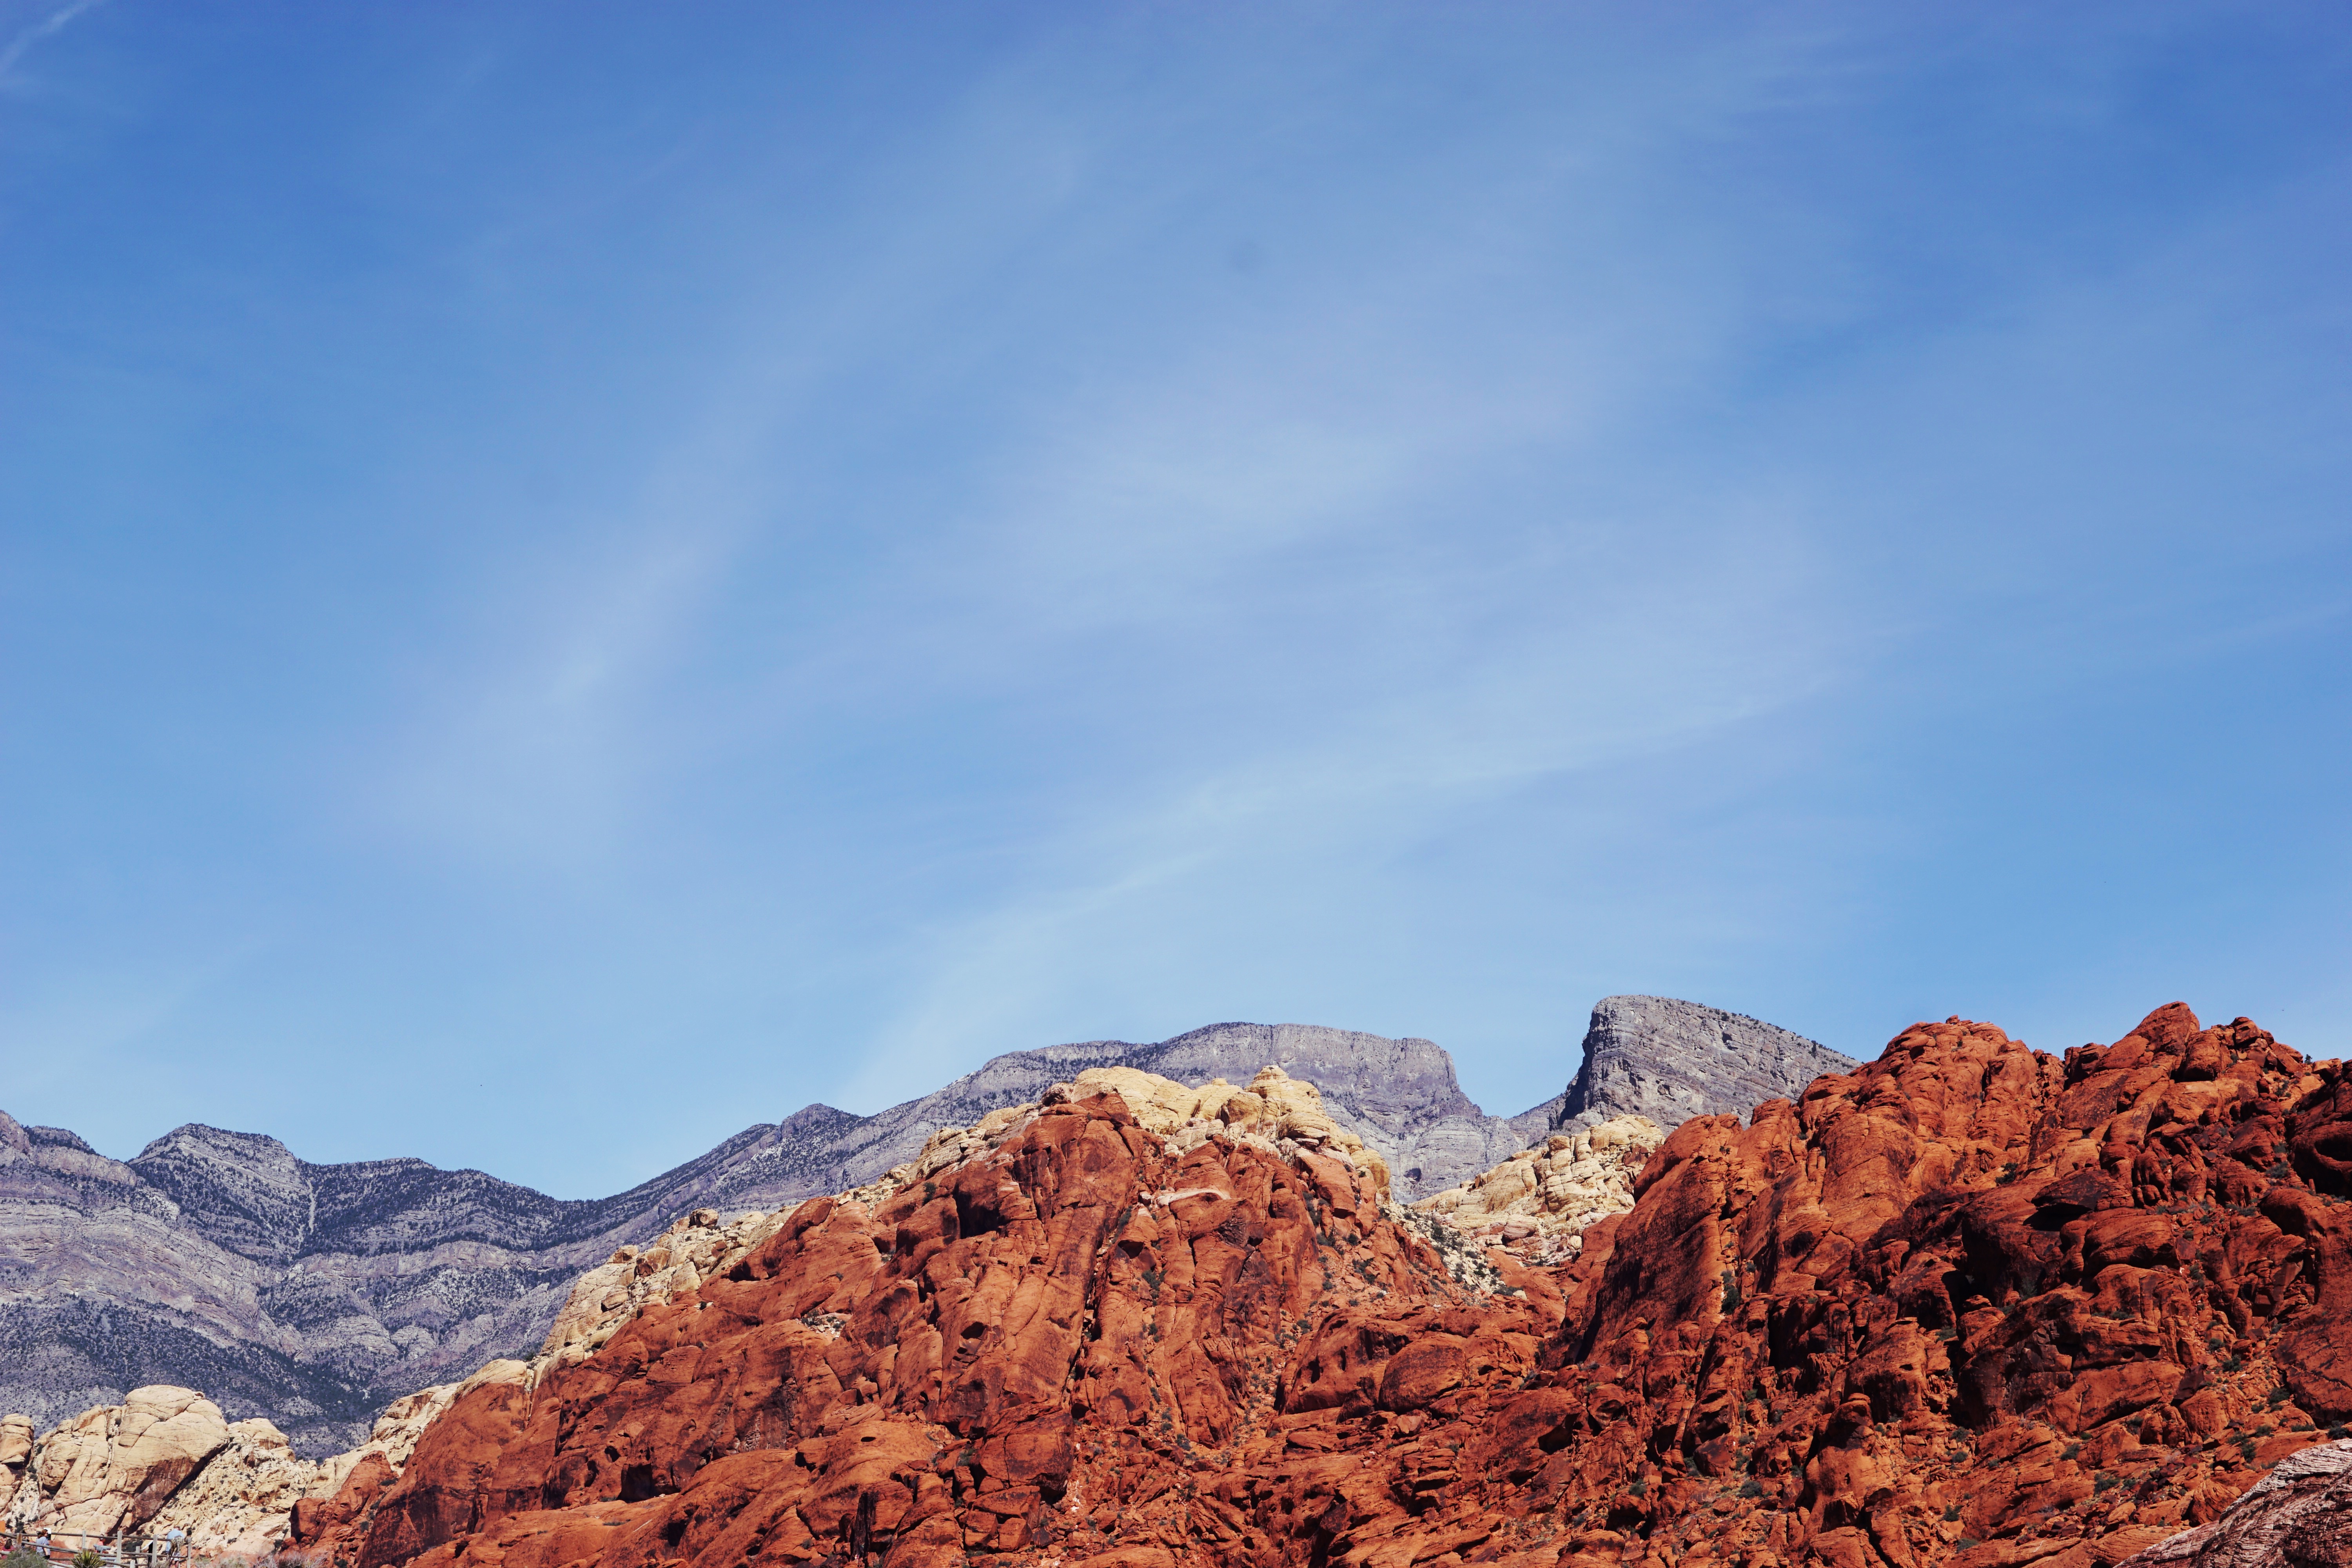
pixel 674 1263
pixel 1275 1107
pixel 164 1459
pixel 1537 1204
pixel 241 1501
pixel 112 1468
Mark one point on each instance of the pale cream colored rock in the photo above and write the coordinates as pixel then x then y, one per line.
pixel 239 1504
pixel 1160 1105
pixel 677 1261
pixel 1275 1109
pixel 113 1467
pixel 1537 1204
pixel 393 1436
pixel 112 1470
pixel 15 1441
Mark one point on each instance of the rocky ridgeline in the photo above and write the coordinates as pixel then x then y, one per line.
pixel 312 1294
pixel 1073 1241
pixel 166 1457
pixel 1669 1060
pixel 1537 1204
pixel 1968 1304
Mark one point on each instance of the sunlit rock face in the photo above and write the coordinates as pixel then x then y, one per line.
pixel 310 1295
pixel 1669 1060
pixel 1968 1303
pixel 166 1459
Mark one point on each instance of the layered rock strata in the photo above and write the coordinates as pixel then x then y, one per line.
pixel 312 1294
pixel 1671 1060
pixel 1537 1204
pixel 2297 1516
pixel 1967 1304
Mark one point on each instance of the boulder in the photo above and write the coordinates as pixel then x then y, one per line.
pixel 114 1467
pixel 15 1441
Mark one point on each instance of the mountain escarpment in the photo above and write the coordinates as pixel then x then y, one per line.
pixel 1966 1303
pixel 1669 1060
pixel 310 1295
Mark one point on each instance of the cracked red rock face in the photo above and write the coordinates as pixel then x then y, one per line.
pixel 1968 1304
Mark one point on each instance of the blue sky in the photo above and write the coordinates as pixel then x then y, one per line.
pixel 578 577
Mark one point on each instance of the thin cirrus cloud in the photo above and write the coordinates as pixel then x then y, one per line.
pixel 808 553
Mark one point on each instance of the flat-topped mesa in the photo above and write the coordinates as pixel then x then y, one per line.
pixel 1670 1060
pixel 1537 1204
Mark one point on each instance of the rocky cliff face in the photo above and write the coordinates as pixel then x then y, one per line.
pixel 310 1295
pixel 1025 1344
pixel 1670 1060
pixel 1968 1304
pixel 2297 1516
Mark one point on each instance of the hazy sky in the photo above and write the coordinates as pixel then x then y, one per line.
pixel 577 577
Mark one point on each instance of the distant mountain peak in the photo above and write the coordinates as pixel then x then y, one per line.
pixel 1670 1060
pixel 313 1293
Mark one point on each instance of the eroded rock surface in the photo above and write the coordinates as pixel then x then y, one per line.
pixel 309 1294
pixel 166 1459
pixel 1968 1304
pixel 1671 1060
pixel 1044 1333
pixel 1537 1204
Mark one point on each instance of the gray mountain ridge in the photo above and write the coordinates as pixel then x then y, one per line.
pixel 1671 1060
pixel 313 1294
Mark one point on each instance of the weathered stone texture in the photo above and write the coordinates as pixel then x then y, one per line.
pixel 310 1295
pixel 1671 1060
pixel 1967 1304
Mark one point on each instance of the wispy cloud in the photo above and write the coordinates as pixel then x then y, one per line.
pixel 48 27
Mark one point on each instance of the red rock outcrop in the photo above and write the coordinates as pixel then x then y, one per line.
pixel 1968 1303
pixel 2298 1516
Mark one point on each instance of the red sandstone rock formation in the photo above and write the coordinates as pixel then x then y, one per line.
pixel 1966 1304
